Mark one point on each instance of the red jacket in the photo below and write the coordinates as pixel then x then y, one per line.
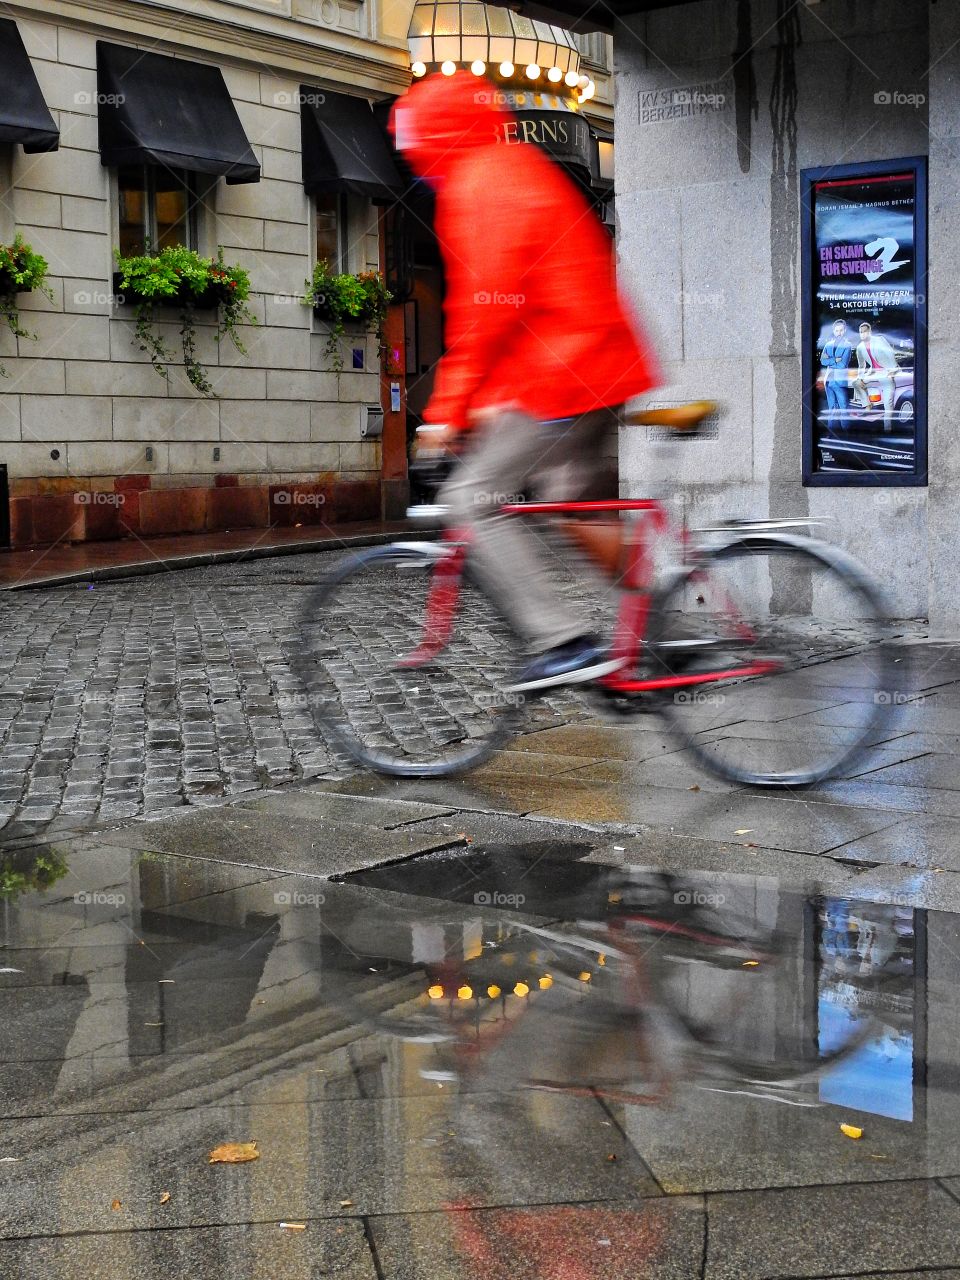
pixel 533 317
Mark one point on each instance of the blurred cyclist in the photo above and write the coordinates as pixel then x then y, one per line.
pixel 539 355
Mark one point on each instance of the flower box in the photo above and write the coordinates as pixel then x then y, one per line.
pixel 211 298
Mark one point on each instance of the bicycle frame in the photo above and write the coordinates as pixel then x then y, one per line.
pixel 633 615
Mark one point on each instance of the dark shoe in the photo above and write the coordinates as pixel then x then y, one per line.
pixel 571 663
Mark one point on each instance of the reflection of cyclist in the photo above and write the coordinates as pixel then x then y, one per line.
pixel 539 351
pixel 835 358
pixel 877 364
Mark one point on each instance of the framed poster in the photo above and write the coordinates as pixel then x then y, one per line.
pixel 864 324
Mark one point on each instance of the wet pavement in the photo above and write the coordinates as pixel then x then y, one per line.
pixel 156 1004
pixel 254 956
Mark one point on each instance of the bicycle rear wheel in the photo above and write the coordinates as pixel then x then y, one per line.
pixel 803 606
pixel 375 692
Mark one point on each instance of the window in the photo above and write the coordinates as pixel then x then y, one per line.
pixel 158 208
pixel 593 48
pixel 331 230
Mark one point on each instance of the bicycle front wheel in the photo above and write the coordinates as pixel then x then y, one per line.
pixel 807 613
pixel 387 694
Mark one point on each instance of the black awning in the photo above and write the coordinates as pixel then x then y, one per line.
pixel 171 112
pixel 344 146
pixel 591 15
pixel 24 116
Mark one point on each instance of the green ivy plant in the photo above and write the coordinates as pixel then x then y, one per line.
pixel 26 871
pixel 341 299
pixel 179 275
pixel 21 271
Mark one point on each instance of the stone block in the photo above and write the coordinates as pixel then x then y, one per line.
pixel 173 511
pixel 73 417
pixel 140 418
pixel 56 518
pixel 301 384
pixel 245 507
pixel 21 521
pixel 286 420
pixel 36 209
pixel 68 337
pixel 68 171
pixel 300 503
pixel 80 214
pixel 356 501
pixel 100 517
pixel 76 48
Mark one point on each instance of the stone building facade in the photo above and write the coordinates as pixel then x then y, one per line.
pixel 710 225
pixel 96 443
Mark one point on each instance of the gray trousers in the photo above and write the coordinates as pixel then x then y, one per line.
pixel 554 461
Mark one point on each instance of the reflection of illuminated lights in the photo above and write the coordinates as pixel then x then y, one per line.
pixel 601 959
pixel 464 992
pixel 585 977
pixel 521 989
pixel 508 959
pixel 546 982
pixel 493 991
pixel 613 897
pixel 435 992
pixel 750 964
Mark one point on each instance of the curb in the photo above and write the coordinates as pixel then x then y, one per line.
pixel 139 568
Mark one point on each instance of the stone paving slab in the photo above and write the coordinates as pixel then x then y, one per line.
pixel 915 842
pixel 271 840
pixel 830 1231
pixel 246 1252
pixel 654 1240
pixel 381 1157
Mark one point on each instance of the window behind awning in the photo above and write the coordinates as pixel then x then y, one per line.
pixel 24 116
pixel 344 147
pixel 168 111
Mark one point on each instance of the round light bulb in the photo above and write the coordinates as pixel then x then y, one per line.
pixel 555 74
pixel 506 68
pixel 419 69
pixel 533 71
pixel 448 68
pixel 572 79
pixel 478 67
pixel 589 91
pixel 583 81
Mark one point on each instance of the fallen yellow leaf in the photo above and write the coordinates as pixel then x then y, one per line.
pixel 743 831
pixel 346 1204
pixel 164 1197
pixel 293 1226
pixel 851 1131
pixel 234 1153
pixel 116 1205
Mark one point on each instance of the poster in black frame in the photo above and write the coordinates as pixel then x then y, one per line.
pixel 864 316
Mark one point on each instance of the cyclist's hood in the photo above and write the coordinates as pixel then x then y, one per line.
pixel 441 119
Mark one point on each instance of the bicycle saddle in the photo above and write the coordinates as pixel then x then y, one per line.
pixel 682 418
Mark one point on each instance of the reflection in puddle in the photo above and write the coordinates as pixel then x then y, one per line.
pixel 492 1031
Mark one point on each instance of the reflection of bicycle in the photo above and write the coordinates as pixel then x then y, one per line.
pixel 408 662
pixel 650 989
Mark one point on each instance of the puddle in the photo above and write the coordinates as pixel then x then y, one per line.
pixel 497 1030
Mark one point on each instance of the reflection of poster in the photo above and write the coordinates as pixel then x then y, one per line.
pixel 866 977
pixel 864 310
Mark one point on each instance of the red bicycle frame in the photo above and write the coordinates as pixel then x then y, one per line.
pixel 632 616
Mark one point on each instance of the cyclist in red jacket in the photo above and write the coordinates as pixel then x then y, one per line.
pixel 540 353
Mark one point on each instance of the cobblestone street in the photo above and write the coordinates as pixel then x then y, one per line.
pixel 130 697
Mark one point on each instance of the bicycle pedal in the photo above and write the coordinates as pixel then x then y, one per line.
pixel 617 704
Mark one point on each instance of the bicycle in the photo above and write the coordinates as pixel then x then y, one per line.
pixel 407 661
